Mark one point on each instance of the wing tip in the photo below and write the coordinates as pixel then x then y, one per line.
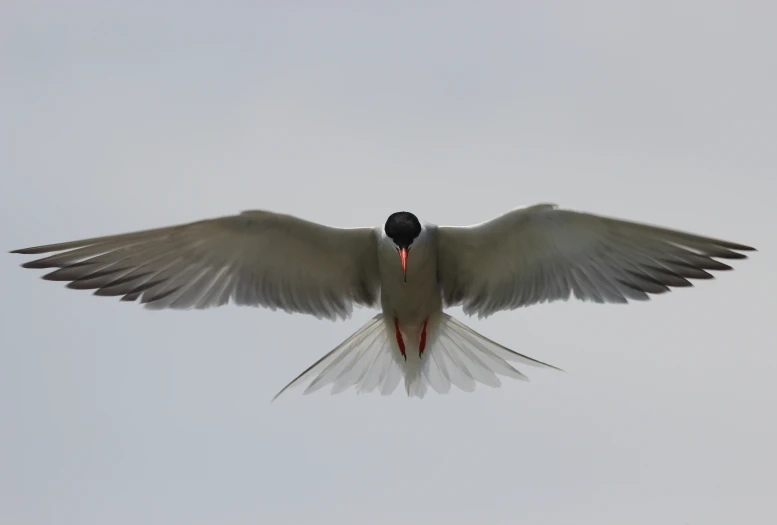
pixel 25 251
pixel 34 250
pixel 733 252
pixel 34 265
pixel 739 247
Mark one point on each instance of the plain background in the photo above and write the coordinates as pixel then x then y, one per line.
pixel 118 116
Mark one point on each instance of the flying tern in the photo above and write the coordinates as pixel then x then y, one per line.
pixel 408 270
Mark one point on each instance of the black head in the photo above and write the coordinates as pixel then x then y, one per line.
pixel 402 227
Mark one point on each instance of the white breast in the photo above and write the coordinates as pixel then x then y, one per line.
pixel 412 302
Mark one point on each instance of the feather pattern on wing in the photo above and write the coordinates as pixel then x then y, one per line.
pixel 542 253
pixel 257 258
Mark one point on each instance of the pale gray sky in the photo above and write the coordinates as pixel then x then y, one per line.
pixel 119 116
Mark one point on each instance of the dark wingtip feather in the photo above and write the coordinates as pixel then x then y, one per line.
pixel 731 255
pixel 37 265
pixel 32 251
pixel 149 301
pixel 64 274
pixel 112 290
pixel 739 247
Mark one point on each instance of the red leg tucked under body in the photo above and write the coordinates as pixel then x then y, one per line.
pixel 400 341
pixel 422 345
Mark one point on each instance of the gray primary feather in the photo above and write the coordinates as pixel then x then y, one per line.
pixel 257 258
pixel 542 253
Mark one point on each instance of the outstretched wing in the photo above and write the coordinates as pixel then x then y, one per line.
pixel 542 253
pixel 257 258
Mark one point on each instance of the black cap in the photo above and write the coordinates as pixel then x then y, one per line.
pixel 403 227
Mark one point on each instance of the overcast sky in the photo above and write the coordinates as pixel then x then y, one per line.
pixel 118 116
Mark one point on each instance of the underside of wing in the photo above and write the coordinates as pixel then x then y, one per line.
pixel 257 258
pixel 543 253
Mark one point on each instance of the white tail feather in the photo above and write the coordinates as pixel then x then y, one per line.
pixel 455 356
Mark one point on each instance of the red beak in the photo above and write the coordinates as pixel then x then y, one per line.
pixel 403 257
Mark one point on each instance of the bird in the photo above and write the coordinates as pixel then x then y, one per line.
pixel 410 272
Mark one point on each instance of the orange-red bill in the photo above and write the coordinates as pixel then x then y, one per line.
pixel 403 257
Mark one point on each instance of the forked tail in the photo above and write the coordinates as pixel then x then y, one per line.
pixel 453 355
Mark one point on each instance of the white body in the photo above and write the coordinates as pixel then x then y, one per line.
pixel 412 306
pixel 410 302
pixel 526 256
